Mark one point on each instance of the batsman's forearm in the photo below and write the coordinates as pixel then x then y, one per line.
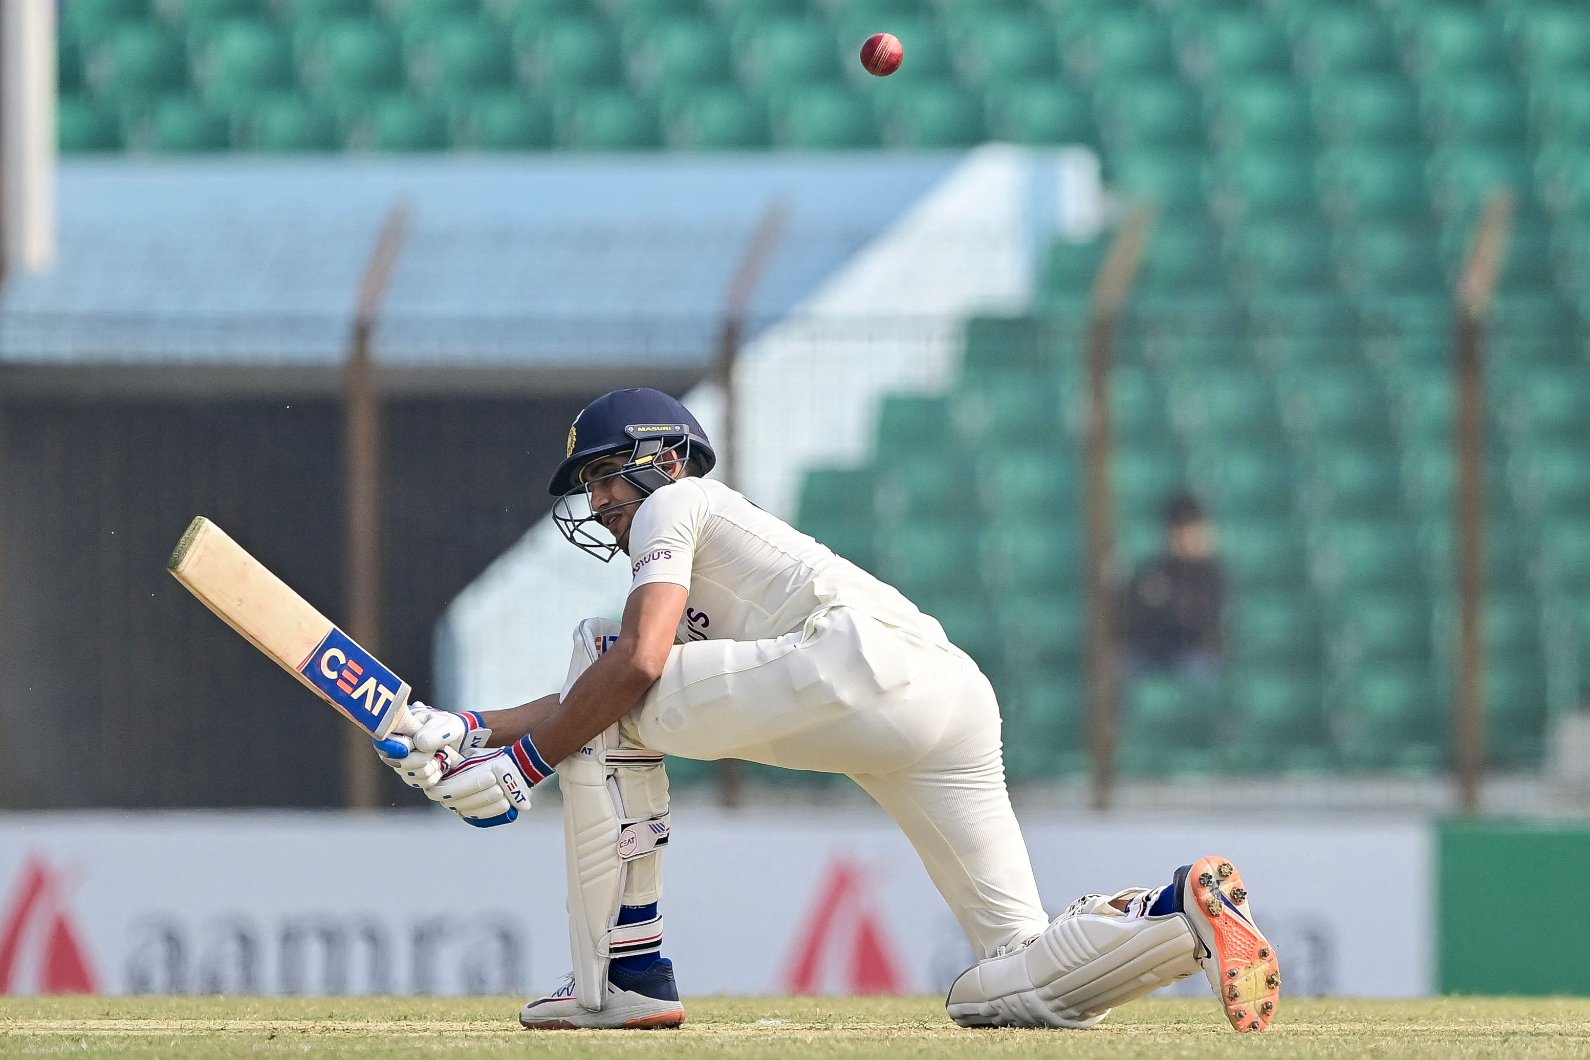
pixel 509 725
pixel 603 694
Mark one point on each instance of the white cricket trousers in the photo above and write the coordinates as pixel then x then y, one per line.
pixel 914 723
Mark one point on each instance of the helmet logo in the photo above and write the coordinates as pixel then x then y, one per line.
pixel 570 450
pixel 646 430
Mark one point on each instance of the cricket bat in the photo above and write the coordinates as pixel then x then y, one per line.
pixel 286 627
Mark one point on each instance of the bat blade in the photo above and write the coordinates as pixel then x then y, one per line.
pixel 268 613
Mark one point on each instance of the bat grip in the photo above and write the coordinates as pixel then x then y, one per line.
pixel 399 745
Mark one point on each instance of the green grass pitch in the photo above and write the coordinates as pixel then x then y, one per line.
pixel 217 1027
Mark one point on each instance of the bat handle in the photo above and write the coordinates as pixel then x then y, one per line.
pixel 394 746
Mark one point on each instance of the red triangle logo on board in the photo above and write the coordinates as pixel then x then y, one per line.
pixel 40 949
pixel 842 947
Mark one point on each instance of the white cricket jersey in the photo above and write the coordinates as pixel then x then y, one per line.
pixel 750 575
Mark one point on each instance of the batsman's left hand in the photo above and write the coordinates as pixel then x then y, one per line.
pixel 433 741
pixel 485 790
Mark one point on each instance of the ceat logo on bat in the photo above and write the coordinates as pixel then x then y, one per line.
pixel 352 678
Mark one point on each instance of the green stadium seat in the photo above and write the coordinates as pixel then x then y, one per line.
pixel 1169 178
pixel 1222 44
pixel 136 63
pixel 924 558
pixel 1361 554
pixel 921 487
pixel 1345 41
pixel 1008 47
pixel 200 18
pixel 1138 407
pixel 1263 553
pixel 715 118
pixel 932 114
pixel 1031 549
pixel 1516 711
pixel 1246 482
pixel 413 16
pixel 1469 109
pixel 1160 112
pixel 1551 404
pixel 1045 630
pixel 1167 727
pixel 1279 630
pixel 1228 405
pixel 607 120
pixel 1371 626
pixel 1556 479
pixel 998 410
pixel 83 126
pixel 1266 111
pixel 68 66
pixel 244 59
pixel 1067 273
pixel 1263 182
pixel 824 117
pixel 908 423
pixel 1039 112
pixel 1178 255
pixel 1320 315
pixel 785 53
pixel 504 120
pixel 641 19
pixel 1334 402
pixel 571 54
pixel 1355 481
pixel 1390 716
pixel 1118 44
pixel 1463 179
pixel 1280 712
pixel 285 123
pixel 835 497
pixel 1555 41
pixel 1144 477
pixel 1560 109
pixel 398 123
pixel 762 9
pixel 184 125
pixel 1390 259
pixel 1024 343
pixel 1454 40
pixel 1373 182
pixel 1042 712
pixel 327 10
pixel 1285 253
pixel 682 55
pixel 1565 555
pixel 1564 180
pixel 353 59
pixel 461 57
pixel 1371 109
pixel 89 22
pixel 1012 484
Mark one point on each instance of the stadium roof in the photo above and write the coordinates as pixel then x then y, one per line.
pixel 251 268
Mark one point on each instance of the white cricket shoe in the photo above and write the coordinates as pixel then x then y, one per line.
pixel 645 1001
pixel 1241 964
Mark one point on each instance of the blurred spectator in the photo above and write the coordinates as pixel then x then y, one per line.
pixel 1172 617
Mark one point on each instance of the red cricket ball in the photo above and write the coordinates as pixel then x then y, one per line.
pixel 882 54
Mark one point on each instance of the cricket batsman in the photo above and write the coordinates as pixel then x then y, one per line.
pixel 744 638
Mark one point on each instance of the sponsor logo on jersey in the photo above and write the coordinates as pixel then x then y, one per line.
pixel 656 553
pixel 695 623
pixel 352 678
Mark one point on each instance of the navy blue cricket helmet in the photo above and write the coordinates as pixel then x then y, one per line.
pixel 640 424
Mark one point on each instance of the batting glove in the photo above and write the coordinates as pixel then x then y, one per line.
pixel 486 790
pixel 437 740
